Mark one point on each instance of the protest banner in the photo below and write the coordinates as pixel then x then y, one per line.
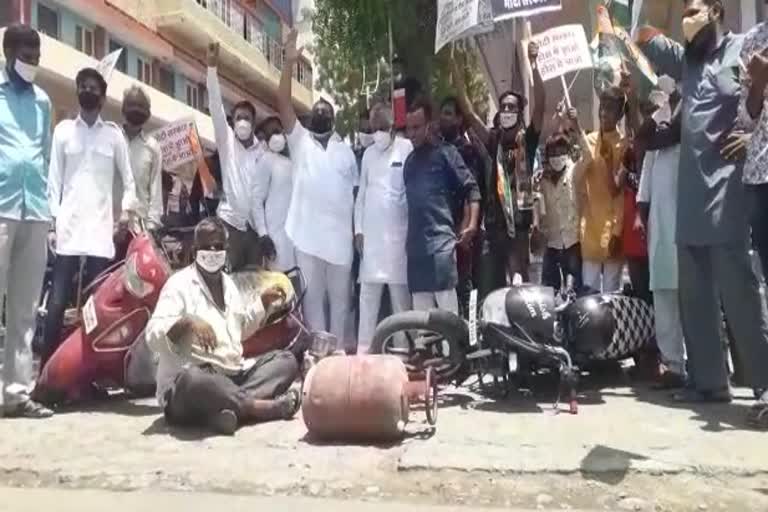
pixel 562 50
pixel 174 140
pixel 508 9
pixel 108 63
pixel 459 19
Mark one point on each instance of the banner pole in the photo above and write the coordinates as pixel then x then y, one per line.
pixel 566 92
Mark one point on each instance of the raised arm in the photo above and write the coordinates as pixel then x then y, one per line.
pixel 539 91
pixel 222 131
pixel 474 120
pixel 285 89
pixel 666 56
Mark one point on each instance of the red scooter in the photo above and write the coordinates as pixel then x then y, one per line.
pixel 111 322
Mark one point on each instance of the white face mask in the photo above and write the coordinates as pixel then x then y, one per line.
pixel 243 130
pixel 382 140
pixel 27 72
pixel 508 119
pixel 366 139
pixel 692 25
pixel 559 163
pixel 277 143
pixel 211 261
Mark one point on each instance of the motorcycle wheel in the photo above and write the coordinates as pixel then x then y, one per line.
pixel 435 340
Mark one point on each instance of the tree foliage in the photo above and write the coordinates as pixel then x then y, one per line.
pixel 352 50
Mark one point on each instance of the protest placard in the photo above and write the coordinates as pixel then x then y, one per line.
pixel 178 143
pixel 508 9
pixel 562 50
pixel 458 19
pixel 107 65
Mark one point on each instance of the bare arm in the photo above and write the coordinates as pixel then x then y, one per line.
pixel 285 89
pixel 756 83
pixel 476 123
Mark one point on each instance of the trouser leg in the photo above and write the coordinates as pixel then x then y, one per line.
pixel 93 268
pixel 669 330
pixel 236 247
pixel 447 300
pixel 640 277
pixel 571 265
pixel 270 376
pixel 550 271
pixel 612 276
pixel 758 199
pixel 314 298
pixel 424 301
pixel 592 274
pixel 400 298
pixel 519 256
pixel 339 283
pixel 65 269
pixel 370 303
pixel 745 310
pixel 700 315
pixel 198 395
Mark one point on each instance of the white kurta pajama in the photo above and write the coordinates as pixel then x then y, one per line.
pixel 381 216
pixel 320 225
pixel 658 186
pixel 271 189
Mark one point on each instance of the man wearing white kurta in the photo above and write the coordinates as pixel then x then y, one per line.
pixel 86 154
pixel 272 187
pixel 381 225
pixel 320 216
pixel 658 196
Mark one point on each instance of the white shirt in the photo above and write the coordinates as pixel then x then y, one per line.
pixel 146 164
pixel 271 190
pixel 320 216
pixel 237 161
pixel 381 214
pixel 658 186
pixel 560 214
pixel 185 294
pixel 84 160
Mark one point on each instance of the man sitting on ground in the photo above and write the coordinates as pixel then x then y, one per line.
pixel 197 328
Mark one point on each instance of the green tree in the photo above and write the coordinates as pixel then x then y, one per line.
pixel 352 50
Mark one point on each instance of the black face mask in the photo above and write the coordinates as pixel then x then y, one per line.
pixel 136 117
pixel 702 43
pixel 88 100
pixel 321 124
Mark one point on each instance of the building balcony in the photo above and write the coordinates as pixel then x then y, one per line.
pixel 246 51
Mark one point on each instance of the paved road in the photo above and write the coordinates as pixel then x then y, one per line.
pixel 34 500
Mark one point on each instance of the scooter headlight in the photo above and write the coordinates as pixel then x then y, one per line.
pixel 133 282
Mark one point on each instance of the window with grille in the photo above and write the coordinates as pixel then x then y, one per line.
pixel 84 40
pixel 193 96
pixel 48 21
pixel 166 81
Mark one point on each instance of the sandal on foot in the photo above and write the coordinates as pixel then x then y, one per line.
pixel 30 410
pixel 289 403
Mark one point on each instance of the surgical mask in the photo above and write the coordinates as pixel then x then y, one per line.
pixel 692 25
pixel 88 100
pixel 211 261
pixel 243 130
pixel 366 139
pixel 559 163
pixel 136 117
pixel 277 143
pixel 27 72
pixel 508 120
pixel 382 140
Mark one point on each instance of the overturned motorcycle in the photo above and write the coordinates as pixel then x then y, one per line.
pixel 528 323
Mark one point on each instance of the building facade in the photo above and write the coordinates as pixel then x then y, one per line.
pixel 164 46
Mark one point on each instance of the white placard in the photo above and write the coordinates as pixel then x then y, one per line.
pixel 108 64
pixel 90 322
pixel 458 19
pixel 175 144
pixel 562 50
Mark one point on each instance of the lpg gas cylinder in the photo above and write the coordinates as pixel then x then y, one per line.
pixel 356 398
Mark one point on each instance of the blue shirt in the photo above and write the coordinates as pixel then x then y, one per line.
pixel 437 183
pixel 25 145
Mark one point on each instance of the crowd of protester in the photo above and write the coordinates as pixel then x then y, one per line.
pixel 421 212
